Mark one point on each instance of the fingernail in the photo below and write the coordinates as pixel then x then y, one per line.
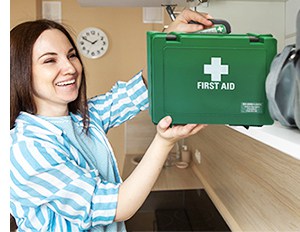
pixel 168 119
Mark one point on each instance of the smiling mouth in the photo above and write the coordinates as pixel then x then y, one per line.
pixel 65 83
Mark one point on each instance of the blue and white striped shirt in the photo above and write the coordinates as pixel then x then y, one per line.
pixel 53 187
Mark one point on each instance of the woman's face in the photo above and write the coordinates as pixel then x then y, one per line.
pixel 56 73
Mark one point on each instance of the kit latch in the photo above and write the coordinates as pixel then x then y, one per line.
pixel 171 37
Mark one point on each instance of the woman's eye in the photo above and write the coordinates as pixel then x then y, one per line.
pixel 49 61
pixel 73 55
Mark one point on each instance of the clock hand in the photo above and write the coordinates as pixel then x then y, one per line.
pixel 95 42
pixel 87 40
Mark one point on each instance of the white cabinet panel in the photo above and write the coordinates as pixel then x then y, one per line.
pixel 292 8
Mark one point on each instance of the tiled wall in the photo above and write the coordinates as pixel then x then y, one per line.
pixel 139 132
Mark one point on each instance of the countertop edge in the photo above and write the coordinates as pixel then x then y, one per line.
pixel 229 219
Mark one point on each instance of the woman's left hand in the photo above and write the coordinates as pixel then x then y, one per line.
pixel 176 132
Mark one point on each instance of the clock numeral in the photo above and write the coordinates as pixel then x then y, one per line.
pixel 93 32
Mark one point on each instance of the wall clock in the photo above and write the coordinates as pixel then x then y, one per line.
pixel 92 42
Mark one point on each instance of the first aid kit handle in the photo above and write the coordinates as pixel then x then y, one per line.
pixel 217 22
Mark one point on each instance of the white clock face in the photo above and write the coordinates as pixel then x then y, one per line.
pixel 92 42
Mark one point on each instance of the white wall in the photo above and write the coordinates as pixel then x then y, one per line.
pixel 291 9
pixel 265 16
pixel 262 17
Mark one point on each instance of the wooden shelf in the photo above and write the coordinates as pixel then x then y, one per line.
pixel 254 186
pixel 284 139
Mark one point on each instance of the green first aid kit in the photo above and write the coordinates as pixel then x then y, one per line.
pixel 209 78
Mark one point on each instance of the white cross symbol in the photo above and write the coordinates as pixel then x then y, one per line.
pixel 219 28
pixel 215 69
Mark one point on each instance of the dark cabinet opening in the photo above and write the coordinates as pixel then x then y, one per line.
pixel 180 210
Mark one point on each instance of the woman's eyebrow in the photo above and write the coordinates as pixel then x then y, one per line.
pixel 71 50
pixel 54 53
pixel 47 53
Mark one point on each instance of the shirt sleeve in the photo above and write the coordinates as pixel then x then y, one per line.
pixel 43 174
pixel 121 103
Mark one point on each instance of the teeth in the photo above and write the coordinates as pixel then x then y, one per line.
pixel 64 83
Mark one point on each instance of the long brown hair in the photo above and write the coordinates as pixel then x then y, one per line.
pixel 22 40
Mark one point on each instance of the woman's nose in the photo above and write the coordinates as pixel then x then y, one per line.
pixel 68 67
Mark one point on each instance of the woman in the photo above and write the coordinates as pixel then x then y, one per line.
pixel 64 175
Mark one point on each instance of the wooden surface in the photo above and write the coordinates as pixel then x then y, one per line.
pixel 255 187
pixel 171 178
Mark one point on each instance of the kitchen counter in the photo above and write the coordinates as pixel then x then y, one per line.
pixel 254 186
pixel 171 178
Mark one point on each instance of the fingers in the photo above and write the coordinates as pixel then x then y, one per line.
pixel 181 24
pixel 164 124
pixel 176 132
pixel 196 129
pixel 189 129
pixel 202 18
pixel 206 15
